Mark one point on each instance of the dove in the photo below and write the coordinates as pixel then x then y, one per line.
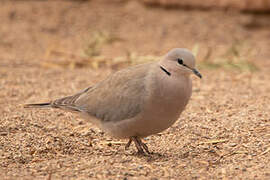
pixel 138 101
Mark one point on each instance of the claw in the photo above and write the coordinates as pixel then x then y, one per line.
pixel 141 147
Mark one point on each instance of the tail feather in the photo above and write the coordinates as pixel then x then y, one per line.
pixel 66 103
pixel 38 105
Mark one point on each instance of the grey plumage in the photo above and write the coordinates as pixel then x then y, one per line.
pixel 137 101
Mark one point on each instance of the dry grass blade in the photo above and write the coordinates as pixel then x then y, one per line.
pixel 237 57
pixel 215 141
pixel 98 40
pixel 266 151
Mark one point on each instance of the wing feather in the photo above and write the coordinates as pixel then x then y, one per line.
pixel 119 97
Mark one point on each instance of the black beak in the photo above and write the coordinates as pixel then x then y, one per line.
pixel 197 73
pixel 194 71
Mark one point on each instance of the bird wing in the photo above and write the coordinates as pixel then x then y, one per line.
pixel 120 96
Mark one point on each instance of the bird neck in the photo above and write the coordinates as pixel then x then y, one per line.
pixel 163 67
pixel 172 71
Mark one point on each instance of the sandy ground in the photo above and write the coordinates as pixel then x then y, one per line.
pixel 223 133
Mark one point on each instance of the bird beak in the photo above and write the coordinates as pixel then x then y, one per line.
pixel 197 73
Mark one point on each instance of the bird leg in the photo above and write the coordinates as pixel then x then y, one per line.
pixel 128 144
pixel 141 147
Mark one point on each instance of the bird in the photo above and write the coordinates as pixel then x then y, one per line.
pixel 137 101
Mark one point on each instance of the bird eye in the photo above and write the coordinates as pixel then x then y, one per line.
pixel 180 61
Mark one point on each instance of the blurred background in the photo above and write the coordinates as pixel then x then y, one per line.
pixel 83 31
pixel 53 48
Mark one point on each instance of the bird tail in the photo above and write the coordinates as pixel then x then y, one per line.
pixel 38 105
pixel 66 103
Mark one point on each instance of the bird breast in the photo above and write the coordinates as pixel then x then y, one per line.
pixel 164 100
pixel 167 99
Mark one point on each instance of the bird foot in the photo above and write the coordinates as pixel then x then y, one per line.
pixel 141 147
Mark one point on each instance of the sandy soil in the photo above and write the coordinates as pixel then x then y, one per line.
pixel 223 133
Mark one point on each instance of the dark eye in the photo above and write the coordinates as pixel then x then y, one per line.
pixel 180 61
